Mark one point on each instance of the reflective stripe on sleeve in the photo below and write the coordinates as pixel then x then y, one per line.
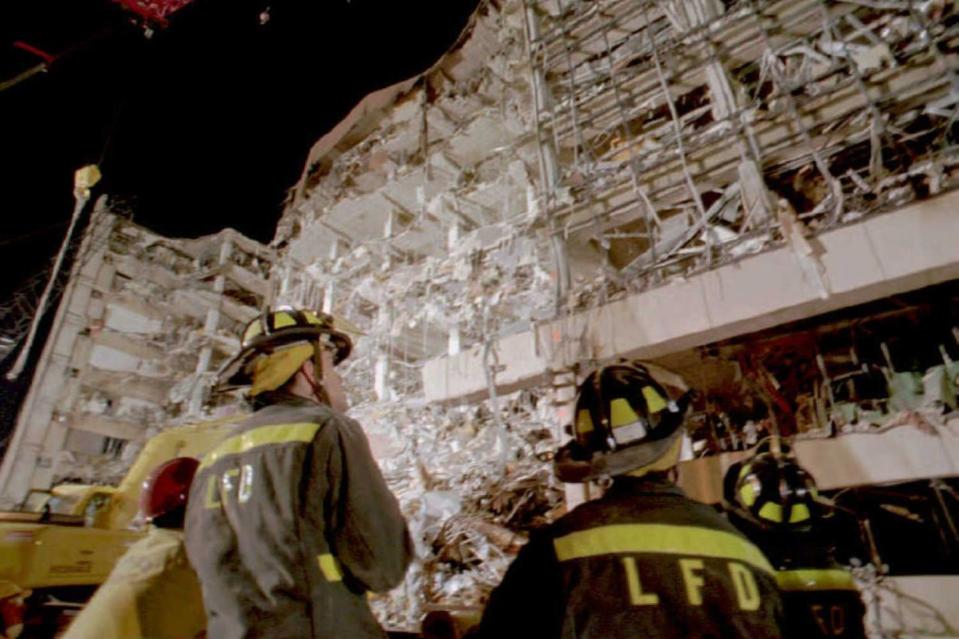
pixel 815 579
pixel 262 436
pixel 659 538
pixel 329 568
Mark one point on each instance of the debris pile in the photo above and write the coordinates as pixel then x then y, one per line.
pixel 564 156
pixel 470 489
pixel 854 371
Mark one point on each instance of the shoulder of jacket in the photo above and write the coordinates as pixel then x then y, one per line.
pixel 583 516
pixel 275 424
pixel 711 517
pixel 332 424
pixel 277 414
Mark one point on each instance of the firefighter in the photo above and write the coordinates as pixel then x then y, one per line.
pixel 152 593
pixel 774 502
pixel 290 522
pixel 643 560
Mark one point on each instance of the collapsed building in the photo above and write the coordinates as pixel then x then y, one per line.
pixel 143 325
pixel 756 194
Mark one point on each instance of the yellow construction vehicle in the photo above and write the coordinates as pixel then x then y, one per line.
pixel 63 542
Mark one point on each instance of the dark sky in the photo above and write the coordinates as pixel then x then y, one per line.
pixel 204 125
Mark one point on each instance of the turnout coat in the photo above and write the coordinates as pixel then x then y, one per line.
pixel 290 523
pixel 819 595
pixel 642 561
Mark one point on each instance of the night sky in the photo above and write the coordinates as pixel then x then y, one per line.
pixel 206 124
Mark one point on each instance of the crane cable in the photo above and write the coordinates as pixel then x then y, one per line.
pixel 84 180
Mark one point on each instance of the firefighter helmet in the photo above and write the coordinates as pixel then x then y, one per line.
pixel 165 492
pixel 274 330
pixel 771 489
pixel 628 417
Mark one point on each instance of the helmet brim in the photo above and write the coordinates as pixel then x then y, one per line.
pixel 572 465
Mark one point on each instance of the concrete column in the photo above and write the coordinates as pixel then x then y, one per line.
pixel 198 396
pixel 331 287
pixel 454 341
pixel 549 164
pixel 381 370
pixel 381 377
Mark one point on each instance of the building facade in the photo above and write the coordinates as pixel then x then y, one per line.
pixel 142 325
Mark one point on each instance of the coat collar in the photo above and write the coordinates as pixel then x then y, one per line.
pixel 632 486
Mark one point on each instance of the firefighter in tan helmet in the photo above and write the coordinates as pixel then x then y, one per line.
pixel 290 521
pixel 152 593
pixel 643 560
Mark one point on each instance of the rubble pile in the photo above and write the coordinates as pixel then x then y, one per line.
pixel 563 158
pixel 470 486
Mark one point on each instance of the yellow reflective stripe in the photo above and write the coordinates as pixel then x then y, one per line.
pixel 771 511
pixel 282 320
pixel 800 512
pixel 621 413
pixel 584 423
pixel 252 331
pixel 654 401
pixel 815 579
pixel 262 436
pixel 329 568
pixel 658 538
pixel 748 494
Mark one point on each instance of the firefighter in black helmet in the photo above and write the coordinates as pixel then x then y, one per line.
pixel 290 522
pixel 774 502
pixel 643 560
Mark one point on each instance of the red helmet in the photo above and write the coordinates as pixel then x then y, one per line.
pixel 166 491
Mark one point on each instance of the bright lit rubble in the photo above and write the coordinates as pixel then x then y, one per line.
pixel 563 156
pixel 574 182
pixel 470 485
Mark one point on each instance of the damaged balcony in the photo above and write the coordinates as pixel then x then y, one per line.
pixel 142 326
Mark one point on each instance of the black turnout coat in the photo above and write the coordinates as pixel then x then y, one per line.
pixel 290 523
pixel 642 561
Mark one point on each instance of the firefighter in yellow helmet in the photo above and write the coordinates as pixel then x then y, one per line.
pixel 290 521
pixel 774 502
pixel 152 593
pixel 643 560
